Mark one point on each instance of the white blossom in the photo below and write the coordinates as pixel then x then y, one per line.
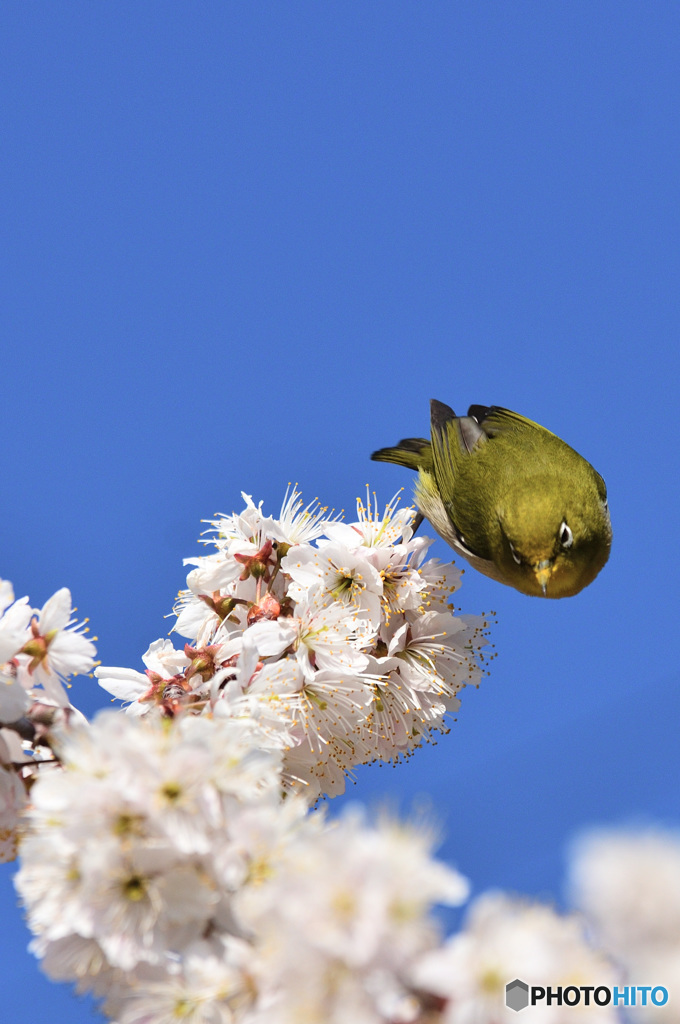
pixel 298 523
pixel 144 689
pixel 55 649
pixel 14 619
pixel 339 575
pixel 371 528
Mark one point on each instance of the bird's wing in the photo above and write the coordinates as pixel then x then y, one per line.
pixel 493 420
pixel 453 438
pixel 412 452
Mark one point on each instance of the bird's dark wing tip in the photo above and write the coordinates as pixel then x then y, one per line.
pixel 440 413
pixel 479 412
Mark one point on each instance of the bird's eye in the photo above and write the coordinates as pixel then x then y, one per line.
pixel 514 554
pixel 566 536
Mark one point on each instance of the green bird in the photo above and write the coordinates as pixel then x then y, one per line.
pixel 510 497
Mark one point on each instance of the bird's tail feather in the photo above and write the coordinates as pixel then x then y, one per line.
pixel 412 452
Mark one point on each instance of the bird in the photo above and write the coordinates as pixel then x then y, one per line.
pixel 513 499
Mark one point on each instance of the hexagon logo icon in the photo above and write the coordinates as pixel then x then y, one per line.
pixel 516 995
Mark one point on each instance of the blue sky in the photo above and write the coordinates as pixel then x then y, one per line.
pixel 244 244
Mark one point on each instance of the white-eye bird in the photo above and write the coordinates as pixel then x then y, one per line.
pixel 510 497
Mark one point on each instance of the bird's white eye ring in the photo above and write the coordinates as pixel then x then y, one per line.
pixel 514 554
pixel 566 536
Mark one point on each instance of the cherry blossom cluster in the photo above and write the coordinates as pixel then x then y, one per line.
pixel 337 636
pixel 39 649
pixel 169 860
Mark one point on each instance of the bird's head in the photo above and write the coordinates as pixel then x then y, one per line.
pixel 553 542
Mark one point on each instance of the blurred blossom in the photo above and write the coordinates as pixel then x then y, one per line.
pixel 344 917
pixel 164 868
pixel 504 938
pixel 628 884
pixel 12 802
